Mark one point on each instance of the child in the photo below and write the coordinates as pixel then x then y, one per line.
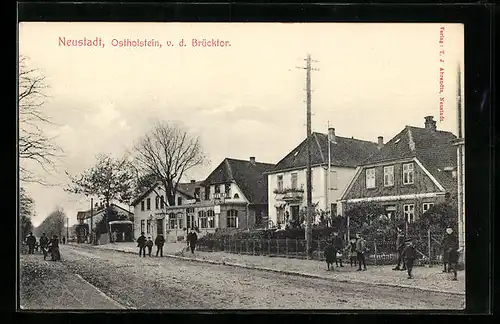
pixel 330 255
pixel 149 244
pixel 351 250
pixel 454 255
pixel 409 255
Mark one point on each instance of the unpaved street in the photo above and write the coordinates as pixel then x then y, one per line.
pixel 166 283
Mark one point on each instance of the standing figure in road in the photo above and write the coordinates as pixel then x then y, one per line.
pixel 330 256
pixel 141 244
pixel 44 242
pixel 400 246
pixel 351 251
pixel 409 255
pixel 360 251
pixel 64 240
pixel 338 244
pixel 54 249
pixel 159 242
pixel 192 238
pixel 149 244
pixel 31 242
pixel 449 243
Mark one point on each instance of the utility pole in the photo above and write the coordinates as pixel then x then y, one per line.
pixel 308 231
pixel 91 220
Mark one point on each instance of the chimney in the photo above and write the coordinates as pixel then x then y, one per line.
pixel 380 142
pixel 331 135
pixel 193 181
pixel 430 123
pixel 252 159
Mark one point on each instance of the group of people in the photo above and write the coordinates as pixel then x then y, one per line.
pixel 356 249
pixel 46 246
pixel 143 243
pixel 407 253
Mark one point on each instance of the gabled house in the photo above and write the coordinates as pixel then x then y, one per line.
pixel 412 172
pixel 154 216
pixel 236 192
pixel 287 180
pixel 122 224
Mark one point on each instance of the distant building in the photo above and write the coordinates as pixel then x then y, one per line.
pixel 413 171
pixel 287 186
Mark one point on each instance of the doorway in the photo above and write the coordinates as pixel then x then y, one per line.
pixel 294 212
pixel 159 227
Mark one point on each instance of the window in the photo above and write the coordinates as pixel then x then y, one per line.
pixel 408 173
pixel 142 205
pixel 236 196
pixel 217 189
pixel 162 202
pixel 197 195
pixel 280 214
pixel 390 212
pixel 142 225
pixel 370 178
pixel 227 190
pixel 280 182
pixel 333 180
pixel 148 204
pixel 294 180
pixel 179 201
pixel 232 218
pixel 389 176
pixel 172 222
pixel 148 226
pixel 207 193
pixel 180 221
pixel 211 219
pixel 157 202
pixel 409 213
pixel 426 206
pixel 202 219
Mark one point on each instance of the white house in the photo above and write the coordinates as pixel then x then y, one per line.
pixel 287 180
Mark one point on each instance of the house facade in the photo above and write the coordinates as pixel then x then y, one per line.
pixel 234 195
pixel 287 185
pixel 413 171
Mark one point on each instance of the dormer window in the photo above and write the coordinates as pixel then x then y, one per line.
pixel 236 196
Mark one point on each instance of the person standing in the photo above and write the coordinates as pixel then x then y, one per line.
pixel 54 249
pixel 149 245
pixel 338 244
pixel 64 240
pixel 44 242
pixel 31 242
pixel 192 238
pixel 351 251
pixel 400 246
pixel 159 242
pixel 360 251
pixel 409 255
pixel 449 244
pixel 141 244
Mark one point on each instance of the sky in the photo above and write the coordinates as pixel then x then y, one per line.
pixel 246 99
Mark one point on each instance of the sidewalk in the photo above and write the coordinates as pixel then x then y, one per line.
pixel 430 279
pixel 50 285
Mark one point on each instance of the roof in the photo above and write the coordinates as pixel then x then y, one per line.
pixel 86 214
pixel 184 188
pixel 434 149
pixel 348 152
pixel 249 176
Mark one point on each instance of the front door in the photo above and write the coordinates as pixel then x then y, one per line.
pixel 294 212
pixel 159 227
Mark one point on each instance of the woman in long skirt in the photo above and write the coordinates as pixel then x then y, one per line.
pixel 54 249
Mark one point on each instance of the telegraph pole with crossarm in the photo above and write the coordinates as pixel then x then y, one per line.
pixel 309 216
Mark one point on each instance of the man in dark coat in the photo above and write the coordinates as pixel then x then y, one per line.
pixel 54 248
pixel 449 244
pixel 159 242
pixel 31 242
pixel 330 255
pixel 192 238
pixel 409 254
pixel 338 244
pixel 141 244
pixel 44 242
pixel 400 246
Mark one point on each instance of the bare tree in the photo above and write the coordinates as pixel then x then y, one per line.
pixel 54 224
pixel 34 145
pixel 168 152
pixel 26 211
